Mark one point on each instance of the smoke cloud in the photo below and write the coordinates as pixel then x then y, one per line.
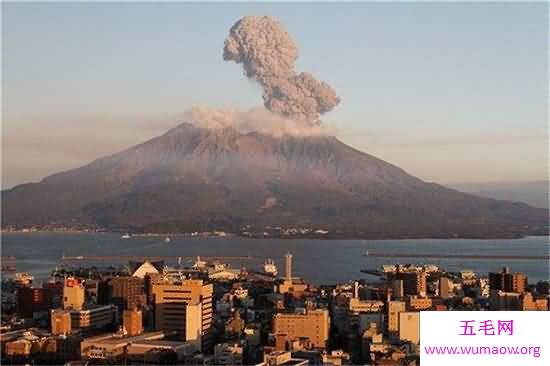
pixel 256 119
pixel 268 53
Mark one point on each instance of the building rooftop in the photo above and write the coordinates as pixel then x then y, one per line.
pixel 113 338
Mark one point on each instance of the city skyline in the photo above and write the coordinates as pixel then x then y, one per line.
pixel 437 85
pixel 187 314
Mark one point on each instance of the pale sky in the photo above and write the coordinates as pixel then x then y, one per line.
pixel 449 92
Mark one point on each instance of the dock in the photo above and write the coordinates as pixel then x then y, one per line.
pixel 9 264
pixel 459 256
pixel 138 258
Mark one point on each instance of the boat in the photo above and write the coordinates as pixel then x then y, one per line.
pixel 167 239
pixel 270 267
pixel 199 264
pixel 126 236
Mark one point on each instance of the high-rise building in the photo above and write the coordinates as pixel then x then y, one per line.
pixel 519 282
pixel 91 288
pixel 73 294
pixel 184 307
pixel 313 325
pixel 61 322
pixel 288 266
pixel 394 308
pixel 31 300
pixel 56 293
pixel 126 292
pixel 397 289
pixel 132 321
pixel 508 282
pixel 414 283
pixel 290 285
pixel 409 326
pixel 445 287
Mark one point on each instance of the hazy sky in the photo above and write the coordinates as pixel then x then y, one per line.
pixel 449 92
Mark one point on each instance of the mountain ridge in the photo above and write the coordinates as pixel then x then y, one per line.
pixel 192 179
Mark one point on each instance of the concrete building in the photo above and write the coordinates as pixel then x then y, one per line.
pixel 277 358
pixel 142 269
pixel 364 306
pixel 58 350
pixel 111 346
pixel 519 282
pixel 93 317
pixel 500 300
pixel 394 308
pixel 132 321
pixel 73 294
pixel 419 303
pixel 153 351
pixel 295 286
pixel 253 334
pixel 397 289
pixel 184 307
pixel 336 358
pixel 507 281
pixel 288 266
pixel 31 300
pixel 235 325
pixel 21 349
pixel 313 325
pixel 228 353
pixel 60 321
pixel 127 292
pixel 414 283
pixel 409 327
pixel 445 287
pixel 529 303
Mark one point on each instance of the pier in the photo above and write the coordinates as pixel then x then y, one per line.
pixel 459 256
pixel 138 258
pixel 8 264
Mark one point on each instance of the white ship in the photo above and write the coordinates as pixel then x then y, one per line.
pixel 270 267
pixel 199 263
pixel 167 239
pixel 126 236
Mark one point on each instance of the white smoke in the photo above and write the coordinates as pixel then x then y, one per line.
pixel 257 119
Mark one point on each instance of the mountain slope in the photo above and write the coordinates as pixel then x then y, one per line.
pixel 533 193
pixel 192 178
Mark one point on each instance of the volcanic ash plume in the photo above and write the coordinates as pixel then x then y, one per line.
pixel 268 54
pixel 256 119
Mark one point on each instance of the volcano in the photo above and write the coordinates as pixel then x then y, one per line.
pixel 198 179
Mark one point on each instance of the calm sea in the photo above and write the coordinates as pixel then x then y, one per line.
pixel 318 261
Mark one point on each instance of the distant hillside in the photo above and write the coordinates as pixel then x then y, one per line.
pixel 193 179
pixel 533 193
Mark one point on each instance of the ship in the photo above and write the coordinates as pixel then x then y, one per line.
pixel 270 267
pixel 126 236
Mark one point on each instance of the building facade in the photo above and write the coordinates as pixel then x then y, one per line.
pixel 132 321
pixel 73 294
pixel 313 325
pixel 60 322
pixel 184 307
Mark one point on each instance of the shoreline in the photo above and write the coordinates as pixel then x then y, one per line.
pixel 272 237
